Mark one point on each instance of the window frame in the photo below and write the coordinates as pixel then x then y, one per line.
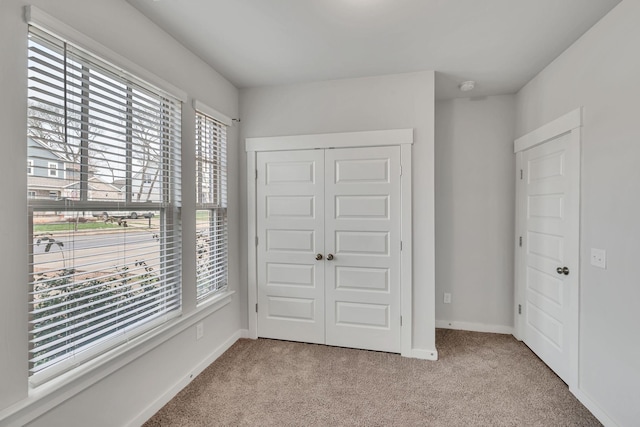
pixel 53 171
pixel 212 245
pixel 170 203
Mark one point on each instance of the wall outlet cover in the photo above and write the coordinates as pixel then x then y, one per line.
pixel 598 258
pixel 199 331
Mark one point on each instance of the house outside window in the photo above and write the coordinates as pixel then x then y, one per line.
pixel 97 282
pixel 29 167
pixel 211 209
pixel 53 169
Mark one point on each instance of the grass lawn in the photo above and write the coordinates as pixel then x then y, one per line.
pixel 202 215
pixel 70 226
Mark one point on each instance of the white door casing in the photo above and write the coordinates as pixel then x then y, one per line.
pixel 547 246
pixel 402 139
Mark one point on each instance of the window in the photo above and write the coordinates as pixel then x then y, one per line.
pixel 211 210
pixel 95 282
pixel 31 194
pixel 29 167
pixel 53 170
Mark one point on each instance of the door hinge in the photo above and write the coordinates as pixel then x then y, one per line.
pixel 257 241
pixel 521 174
pixel 400 320
pixel 256 174
pixel 400 245
pixel 520 241
pixel 256 307
pixel 519 308
pixel 400 170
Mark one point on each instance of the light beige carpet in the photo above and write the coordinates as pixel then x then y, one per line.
pixel 480 380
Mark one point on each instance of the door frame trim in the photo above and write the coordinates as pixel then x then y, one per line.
pixel 553 129
pixel 570 123
pixel 393 137
pixel 373 138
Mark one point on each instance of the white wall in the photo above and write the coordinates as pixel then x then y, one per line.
pixel 373 103
pixel 475 193
pixel 122 395
pixel 600 72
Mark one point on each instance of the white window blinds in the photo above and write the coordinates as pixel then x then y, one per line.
pixel 211 210
pixel 106 253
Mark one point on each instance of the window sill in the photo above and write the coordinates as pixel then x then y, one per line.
pixel 213 299
pixel 44 397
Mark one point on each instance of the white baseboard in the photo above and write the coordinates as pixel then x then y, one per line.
pixel 169 394
pixel 593 407
pixel 474 327
pixel 418 353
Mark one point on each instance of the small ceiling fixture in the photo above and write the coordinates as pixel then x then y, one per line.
pixel 467 86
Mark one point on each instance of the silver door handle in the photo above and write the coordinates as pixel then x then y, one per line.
pixel 563 270
pixel 329 257
pixel 319 257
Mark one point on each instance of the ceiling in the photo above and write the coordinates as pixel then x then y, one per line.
pixel 501 44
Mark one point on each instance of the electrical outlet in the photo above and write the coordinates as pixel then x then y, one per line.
pixel 199 330
pixel 599 258
pixel 447 298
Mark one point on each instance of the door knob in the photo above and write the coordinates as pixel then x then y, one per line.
pixel 563 270
pixel 319 257
pixel 329 257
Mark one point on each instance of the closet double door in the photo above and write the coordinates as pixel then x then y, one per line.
pixel 328 250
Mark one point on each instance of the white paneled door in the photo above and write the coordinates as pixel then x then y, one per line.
pixel 290 209
pixel 362 223
pixel 328 254
pixel 549 201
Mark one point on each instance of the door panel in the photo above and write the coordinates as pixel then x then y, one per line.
pixel 362 315
pixel 290 206
pixel 361 243
pixel 281 274
pixel 290 241
pixel 361 170
pixel 550 207
pixel 362 231
pixel 359 278
pixel 361 207
pixel 289 309
pixel 290 192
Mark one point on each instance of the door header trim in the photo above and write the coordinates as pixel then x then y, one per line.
pixel 331 140
pixel 564 124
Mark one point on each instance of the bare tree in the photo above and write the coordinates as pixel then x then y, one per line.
pixel 147 130
pixel 69 136
pixel 59 131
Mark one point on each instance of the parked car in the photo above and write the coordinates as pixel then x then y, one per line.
pixel 122 214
